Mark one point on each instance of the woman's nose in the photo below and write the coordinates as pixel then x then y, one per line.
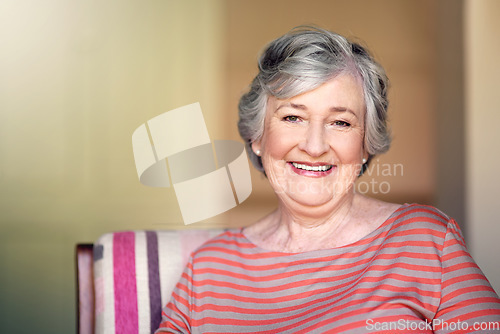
pixel 314 140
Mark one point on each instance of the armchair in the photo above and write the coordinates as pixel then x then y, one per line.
pixel 125 278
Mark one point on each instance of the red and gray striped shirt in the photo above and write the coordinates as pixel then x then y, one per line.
pixel 413 274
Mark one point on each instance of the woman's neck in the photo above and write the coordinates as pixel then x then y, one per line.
pixel 293 231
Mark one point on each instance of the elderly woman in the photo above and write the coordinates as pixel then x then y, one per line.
pixel 328 259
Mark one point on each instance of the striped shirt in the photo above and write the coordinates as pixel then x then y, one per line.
pixel 413 274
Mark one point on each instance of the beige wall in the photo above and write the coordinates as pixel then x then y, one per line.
pixel 78 77
pixel 483 118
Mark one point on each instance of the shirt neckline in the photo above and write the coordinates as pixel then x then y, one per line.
pixel 372 235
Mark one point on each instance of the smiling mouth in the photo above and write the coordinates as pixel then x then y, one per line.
pixel 320 168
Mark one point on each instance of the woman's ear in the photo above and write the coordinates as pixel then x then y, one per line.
pixel 366 156
pixel 256 147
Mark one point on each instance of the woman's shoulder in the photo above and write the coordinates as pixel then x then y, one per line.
pixel 424 210
pixel 387 214
pixel 417 215
pixel 229 241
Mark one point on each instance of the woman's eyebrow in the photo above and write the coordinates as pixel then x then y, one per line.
pixel 303 107
pixel 292 105
pixel 343 109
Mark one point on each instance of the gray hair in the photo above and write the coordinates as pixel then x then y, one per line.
pixel 302 60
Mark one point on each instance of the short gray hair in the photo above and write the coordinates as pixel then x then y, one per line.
pixel 302 60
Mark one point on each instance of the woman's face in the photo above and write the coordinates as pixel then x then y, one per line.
pixel 312 145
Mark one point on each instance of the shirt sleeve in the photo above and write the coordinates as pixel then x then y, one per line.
pixel 468 302
pixel 176 315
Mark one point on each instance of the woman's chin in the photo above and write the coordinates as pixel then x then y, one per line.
pixel 310 199
pixel 324 196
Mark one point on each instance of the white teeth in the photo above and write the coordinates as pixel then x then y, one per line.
pixel 323 168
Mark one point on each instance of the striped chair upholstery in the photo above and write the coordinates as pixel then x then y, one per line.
pixel 135 273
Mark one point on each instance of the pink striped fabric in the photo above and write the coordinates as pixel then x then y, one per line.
pixel 125 283
pixel 129 262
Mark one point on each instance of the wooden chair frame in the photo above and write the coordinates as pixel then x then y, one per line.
pixel 85 288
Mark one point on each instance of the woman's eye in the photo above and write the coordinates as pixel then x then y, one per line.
pixel 341 123
pixel 291 118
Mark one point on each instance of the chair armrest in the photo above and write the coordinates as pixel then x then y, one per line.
pixel 122 287
pixel 85 288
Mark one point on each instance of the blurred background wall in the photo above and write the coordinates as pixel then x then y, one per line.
pixel 78 77
pixel 482 136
